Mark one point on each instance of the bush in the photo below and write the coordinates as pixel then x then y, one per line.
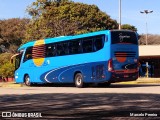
pixel 7 70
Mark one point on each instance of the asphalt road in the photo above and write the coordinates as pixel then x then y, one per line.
pixel 122 101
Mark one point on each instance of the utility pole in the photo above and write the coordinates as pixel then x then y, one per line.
pixel 146 12
pixel 119 14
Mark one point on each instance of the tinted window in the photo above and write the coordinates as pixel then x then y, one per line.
pixel 87 45
pixel 123 37
pixel 54 49
pixel 65 48
pixel 98 43
pixel 51 50
pixel 75 47
pixel 62 48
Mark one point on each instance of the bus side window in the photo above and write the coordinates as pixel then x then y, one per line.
pixel 98 43
pixel 49 50
pixel 74 47
pixel 62 48
pixel 59 49
pixel 87 45
pixel 54 50
pixel 65 48
pixel 28 54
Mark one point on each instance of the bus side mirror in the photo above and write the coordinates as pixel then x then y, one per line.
pixel 11 61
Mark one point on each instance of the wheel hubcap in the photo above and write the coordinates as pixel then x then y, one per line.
pixel 27 81
pixel 79 80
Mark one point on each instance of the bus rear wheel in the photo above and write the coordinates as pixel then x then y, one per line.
pixel 27 80
pixel 78 79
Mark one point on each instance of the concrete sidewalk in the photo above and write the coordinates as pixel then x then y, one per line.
pixel 138 81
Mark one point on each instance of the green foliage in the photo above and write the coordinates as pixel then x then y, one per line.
pixel 52 18
pixel 128 27
pixel 6 68
pixel 4 58
pixel 12 31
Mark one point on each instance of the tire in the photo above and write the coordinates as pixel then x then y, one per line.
pixel 27 81
pixel 78 80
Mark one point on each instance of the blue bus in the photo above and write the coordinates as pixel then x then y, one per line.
pixel 98 57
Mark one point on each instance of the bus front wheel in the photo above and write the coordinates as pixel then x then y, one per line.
pixel 79 80
pixel 27 80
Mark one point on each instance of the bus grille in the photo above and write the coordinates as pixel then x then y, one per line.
pixel 124 54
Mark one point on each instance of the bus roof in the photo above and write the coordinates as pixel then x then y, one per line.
pixel 64 38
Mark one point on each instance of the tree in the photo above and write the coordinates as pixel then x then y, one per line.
pixel 2 49
pixel 52 18
pixel 129 27
pixel 12 31
pixel 152 39
pixel 5 57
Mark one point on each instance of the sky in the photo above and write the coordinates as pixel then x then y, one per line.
pixel 130 11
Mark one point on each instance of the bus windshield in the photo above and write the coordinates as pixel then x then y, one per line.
pixel 123 37
pixel 18 60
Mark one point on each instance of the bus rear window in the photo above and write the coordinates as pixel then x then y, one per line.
pixel 123 37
